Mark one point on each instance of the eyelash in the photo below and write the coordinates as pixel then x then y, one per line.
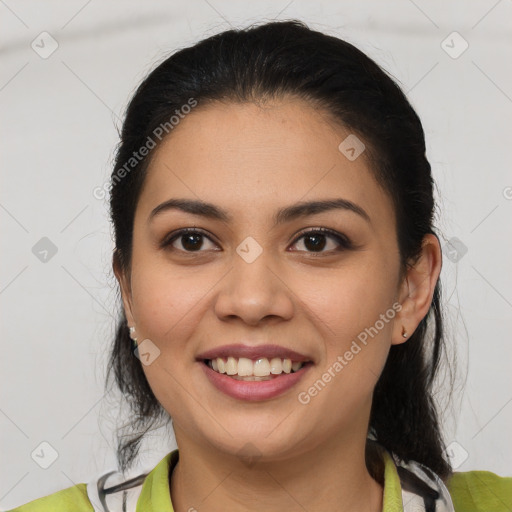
pixel 344 242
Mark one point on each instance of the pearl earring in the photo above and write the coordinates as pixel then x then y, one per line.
pixel 404 334
pixel 132 336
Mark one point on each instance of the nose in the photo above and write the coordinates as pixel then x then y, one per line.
pixel 254 292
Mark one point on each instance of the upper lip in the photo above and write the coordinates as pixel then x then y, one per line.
pixel 253 352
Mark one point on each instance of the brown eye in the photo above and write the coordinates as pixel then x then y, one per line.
pixel 315 240
pixel 191 240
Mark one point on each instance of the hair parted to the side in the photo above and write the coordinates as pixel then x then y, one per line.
pixel 272 61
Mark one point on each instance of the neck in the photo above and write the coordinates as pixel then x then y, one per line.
pixel 332 477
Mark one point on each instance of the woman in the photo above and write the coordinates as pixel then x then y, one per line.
pixel 279 272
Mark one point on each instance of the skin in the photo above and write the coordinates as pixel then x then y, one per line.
pixel 252 160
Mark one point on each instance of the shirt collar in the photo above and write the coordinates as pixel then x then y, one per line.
pixel 156 496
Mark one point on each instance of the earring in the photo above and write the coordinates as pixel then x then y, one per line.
pixel 133 337
pixel 404 334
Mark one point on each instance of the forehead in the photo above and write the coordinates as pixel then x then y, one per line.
pixel 250 158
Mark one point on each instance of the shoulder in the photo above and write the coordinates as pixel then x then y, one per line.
pixel 480 491
pixel 72 499
pixel 152 488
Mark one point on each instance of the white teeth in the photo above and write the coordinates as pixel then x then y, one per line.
pixel 296 366
pixel 262 367
pixel 245 367
pixel 276 366
pixel 231 366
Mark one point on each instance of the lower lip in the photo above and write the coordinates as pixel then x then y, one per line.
pixel 254 390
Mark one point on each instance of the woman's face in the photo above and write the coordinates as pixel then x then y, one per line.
pixel 254 278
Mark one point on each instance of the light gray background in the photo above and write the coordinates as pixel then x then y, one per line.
pixel 58 133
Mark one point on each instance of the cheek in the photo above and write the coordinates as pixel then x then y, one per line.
pixel 167 305
pixel 348 302
pixel 166 298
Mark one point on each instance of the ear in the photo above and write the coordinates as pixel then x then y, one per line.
pixel 417 289
pixel 125 285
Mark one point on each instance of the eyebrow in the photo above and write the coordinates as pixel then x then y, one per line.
pixel 287 214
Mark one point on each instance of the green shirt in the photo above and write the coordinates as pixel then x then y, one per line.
pixel 471 491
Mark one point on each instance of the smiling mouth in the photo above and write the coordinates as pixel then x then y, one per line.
pixel 260 369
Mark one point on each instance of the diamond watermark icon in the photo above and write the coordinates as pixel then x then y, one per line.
pixel 44 45
pixel 454 45
pixel 147 352
pixel 44 250
pixel 44 455
pixel 352 147
pixel 249 249
pixel 249 454
pixel 456 454
pixel 454 249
